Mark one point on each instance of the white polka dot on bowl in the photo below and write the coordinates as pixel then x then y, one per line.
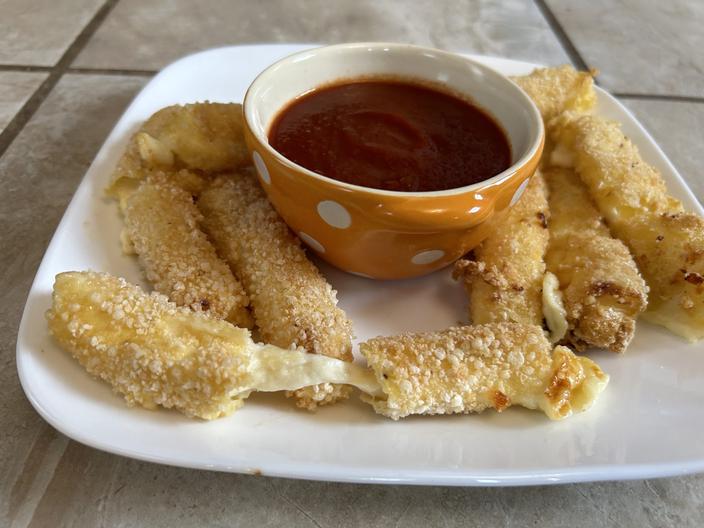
pixel 334 214
pixel 519 192
pixel 261 167
pixel 313 243
pixel 427 257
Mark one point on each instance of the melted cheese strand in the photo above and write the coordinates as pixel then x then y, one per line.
pixel 157 354
pixel 293 304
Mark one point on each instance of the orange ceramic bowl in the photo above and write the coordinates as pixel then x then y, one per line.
pixel 387 234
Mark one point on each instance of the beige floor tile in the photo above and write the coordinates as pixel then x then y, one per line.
pixel 645 47
pixel 148 35
pixel 678 127
pixel 38 32
pixel 90 488
pixel 15 89
pixel 39 173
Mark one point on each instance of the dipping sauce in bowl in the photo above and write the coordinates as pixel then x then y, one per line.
pixel 391 135
pixel 388 160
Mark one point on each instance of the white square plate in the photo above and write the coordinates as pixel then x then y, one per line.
pixel 648 423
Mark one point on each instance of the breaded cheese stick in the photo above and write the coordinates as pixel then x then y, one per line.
pixel 667 243
pixel 201 136
pixel 669 250
pixel 603 292
pixel 161 223
pixel 293 304
pixel 157 354
pixel 555 90
pixel 504 282
pixel 620 182
pixel 183 143
pixel 472 368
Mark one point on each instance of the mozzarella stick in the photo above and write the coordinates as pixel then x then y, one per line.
pixel 669 250
pixel 293 304
pixel 154 353
pixel 603 292
pixel 555 90
pixel 504 281
pixel 184 143
pixel 161 224
pixel 201 136
pixel 472 368
pixel 620 182
pixel 666 242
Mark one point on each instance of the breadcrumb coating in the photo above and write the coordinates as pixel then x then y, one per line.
pixel 151 351
pixel 155 353
pixel 473 368
pixel 669 250
pixel 620 182
pixel 146 157
pixel 202 136
pixel 666 242
pixel 603 292
pixel 162 225
pixel 293 304
pixel 185 143
pixel 555 90
pixel 504 281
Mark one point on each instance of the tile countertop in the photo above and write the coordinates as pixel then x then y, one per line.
pixel 68 70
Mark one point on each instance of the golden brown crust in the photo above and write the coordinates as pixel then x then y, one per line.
pixel 555 90
pixel 202 136
pixel 620 182
pixel 149 350
pixel 504 282
pixel 667 243
pixel 185 144
pixel 472 368
pixel 669 249
pixel 603 292
pixel 162 224
pixel 292 302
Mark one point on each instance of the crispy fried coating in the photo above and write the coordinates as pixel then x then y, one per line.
pixel 161 223
pixel 155 353
pixel 472 368
pixel 122 188
pixel 293 304
pixel 603 292
pixel 185 143
pixel 667 243
pixel 202 136
pixel 146 157
pixel 669 250
pixel 504 282
pixel 151 351
pixel 621 183
pixel 555 90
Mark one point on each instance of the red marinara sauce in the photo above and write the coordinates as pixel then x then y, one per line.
pixel 391 135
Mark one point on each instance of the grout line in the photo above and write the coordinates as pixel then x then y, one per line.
pixel 109 71
pixel 660 97
pixel 12 130
pixel 561 35
pixel 24 68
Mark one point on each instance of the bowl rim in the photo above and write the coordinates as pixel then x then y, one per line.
pixel 247 109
